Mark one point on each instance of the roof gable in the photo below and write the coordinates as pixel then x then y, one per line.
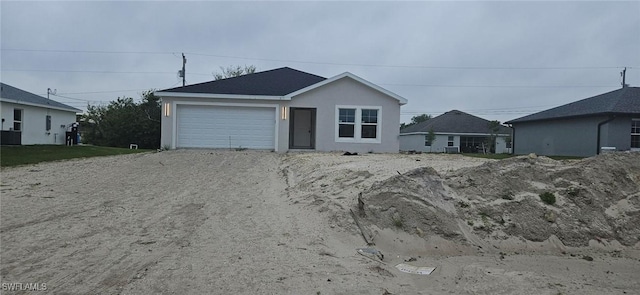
pixel 277 82
pixel 12 94
pixel 454 122
pixel 625 100
pixel 399 98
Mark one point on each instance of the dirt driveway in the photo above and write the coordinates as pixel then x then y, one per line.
pixel 221 222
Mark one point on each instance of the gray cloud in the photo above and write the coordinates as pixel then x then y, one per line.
pixel 474 56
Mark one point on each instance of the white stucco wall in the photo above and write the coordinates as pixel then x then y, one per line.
pixel 415 142
pixel 34 123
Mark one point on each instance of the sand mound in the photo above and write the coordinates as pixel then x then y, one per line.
pixel 597 198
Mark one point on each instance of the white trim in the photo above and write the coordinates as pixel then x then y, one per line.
pixel 213 95
pixel 74 110
pixel 400 99
pixel 175 104
pixel 357 134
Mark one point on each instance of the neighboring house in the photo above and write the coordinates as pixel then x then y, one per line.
pixel 28 118
pixel 454 131
pixel 582 128
pixel 282 109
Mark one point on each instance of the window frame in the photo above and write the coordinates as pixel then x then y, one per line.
pixel 357 136
pixel 363 123
pixel 635 124
pixel 451 140
pixel 18 121
pixel 427 142
pixel 355 112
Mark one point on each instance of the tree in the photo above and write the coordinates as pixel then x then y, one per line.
pixel 231 71
pixel 123 122
pixel 416 120
pixel 431 137
pixel 494 128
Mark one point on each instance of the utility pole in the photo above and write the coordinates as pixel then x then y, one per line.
pixel 624 74
pixel 184 62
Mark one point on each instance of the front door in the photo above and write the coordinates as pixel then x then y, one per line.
pixel 302 128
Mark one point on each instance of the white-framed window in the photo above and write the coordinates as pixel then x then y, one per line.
pixel 17 119
pixel 369 128
pixel 427 142
pixel 358 124
pixel 346 123
pixel 450 141
pixel 635 133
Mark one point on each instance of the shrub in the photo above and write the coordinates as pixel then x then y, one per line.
pixel 397 221
pixel 548 198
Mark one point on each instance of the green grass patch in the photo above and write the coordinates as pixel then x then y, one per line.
pixel 548 197
pixel 31 154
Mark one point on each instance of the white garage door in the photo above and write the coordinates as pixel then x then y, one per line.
pixel 225 127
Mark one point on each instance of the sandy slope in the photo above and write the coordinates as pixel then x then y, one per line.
pixel 224 222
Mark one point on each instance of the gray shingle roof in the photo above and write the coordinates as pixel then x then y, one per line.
pixel 622 101
pixel 277 82
pixel 18 95
pixel 455 122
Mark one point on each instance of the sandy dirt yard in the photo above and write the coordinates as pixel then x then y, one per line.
pixel 250 222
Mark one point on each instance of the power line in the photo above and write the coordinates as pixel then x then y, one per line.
pixel 109 91
pixel 320 62
pixel 87 51
pixel 93 71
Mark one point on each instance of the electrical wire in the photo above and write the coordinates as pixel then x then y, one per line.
pixel 318 62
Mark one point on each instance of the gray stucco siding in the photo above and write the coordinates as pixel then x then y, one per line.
pixel 565 137
pixel 352 93
pixel 324 99
pixel 617 133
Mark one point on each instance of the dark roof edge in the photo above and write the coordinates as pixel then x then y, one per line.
pixel 570 117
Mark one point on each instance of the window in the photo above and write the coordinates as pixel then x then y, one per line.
pixel 48 122
pixel 347 123
pixel 450 141
pixel 358 124
pixel 635 133
pixel 17 119
pixel 426 141
pixel 369 123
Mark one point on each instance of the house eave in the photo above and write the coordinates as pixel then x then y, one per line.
pixel 7 100
pixel 221 96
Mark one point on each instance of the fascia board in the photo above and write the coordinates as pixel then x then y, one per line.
pixel 41 105
pixel 223 96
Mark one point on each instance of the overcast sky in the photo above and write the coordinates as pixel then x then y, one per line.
pixel 496 60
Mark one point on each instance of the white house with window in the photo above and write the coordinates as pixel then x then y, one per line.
pixel 282 110
pixel 456 132
pixel 28 118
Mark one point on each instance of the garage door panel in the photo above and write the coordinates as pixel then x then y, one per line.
pixel 224 127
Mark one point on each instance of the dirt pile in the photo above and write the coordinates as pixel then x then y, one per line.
pixel 597 198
